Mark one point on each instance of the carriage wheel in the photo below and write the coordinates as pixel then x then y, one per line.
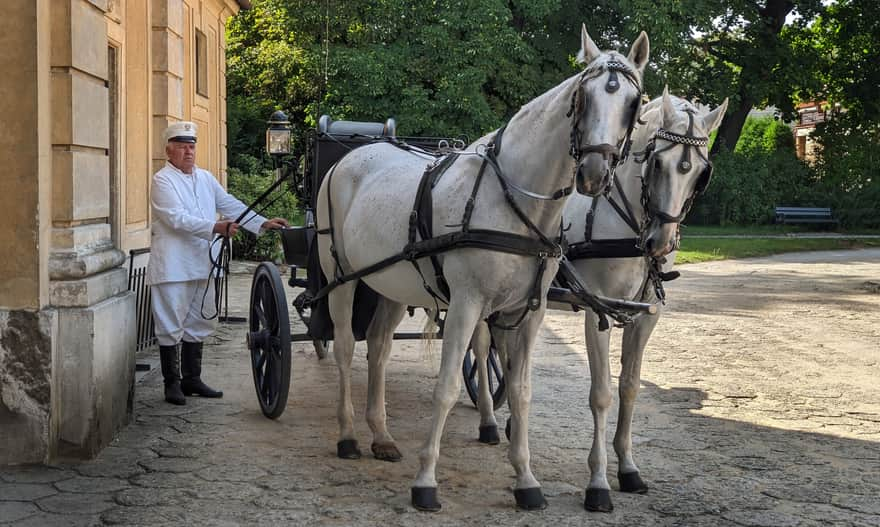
pixel 496 376
pixel 268 339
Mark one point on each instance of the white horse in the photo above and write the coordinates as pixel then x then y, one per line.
pixel 676 170
pixel 632 237
pixel 365 216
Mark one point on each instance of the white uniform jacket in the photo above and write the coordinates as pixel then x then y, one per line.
pixel 185 208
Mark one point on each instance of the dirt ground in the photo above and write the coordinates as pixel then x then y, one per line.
pixel 760 406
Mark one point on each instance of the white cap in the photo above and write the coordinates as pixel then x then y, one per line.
pixel 183 132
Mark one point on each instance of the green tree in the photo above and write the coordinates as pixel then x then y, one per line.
pixel 846 43
pixel 441 67
pixel 745 51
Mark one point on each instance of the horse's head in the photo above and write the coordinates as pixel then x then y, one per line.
pixel 605 107
pixel 677 168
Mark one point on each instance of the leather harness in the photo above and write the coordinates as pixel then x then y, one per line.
pixel 632 247
pixel 538 245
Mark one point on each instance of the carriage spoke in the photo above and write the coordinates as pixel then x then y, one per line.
pixel 493 362
pixel 472 373
pixel 261 361
pixel 265 387
pixel 261 316
pixel 271 305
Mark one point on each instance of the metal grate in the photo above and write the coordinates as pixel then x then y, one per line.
pixel 137 283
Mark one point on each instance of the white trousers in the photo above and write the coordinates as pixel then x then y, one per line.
pixel 177 308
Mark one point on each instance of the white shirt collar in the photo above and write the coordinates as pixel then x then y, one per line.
pixel 174 168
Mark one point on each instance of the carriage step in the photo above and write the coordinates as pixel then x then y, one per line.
pixel 297 282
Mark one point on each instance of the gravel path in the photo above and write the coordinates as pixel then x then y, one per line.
pixel 760 406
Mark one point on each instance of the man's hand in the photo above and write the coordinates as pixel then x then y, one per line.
pixel 274 223
pixel 226 228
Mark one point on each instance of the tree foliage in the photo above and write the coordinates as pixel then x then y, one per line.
pixel 761 173
pixel 462 67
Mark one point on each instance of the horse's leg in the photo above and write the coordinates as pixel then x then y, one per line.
pixel 387 316
pixel 598 496
pixel 520 344
pixel 488 425
pixel 635 337
pixel 341 302
pixel 461 320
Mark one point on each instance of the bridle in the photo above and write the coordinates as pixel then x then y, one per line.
pixel 612 154
pixel 688 141
pixel 626 247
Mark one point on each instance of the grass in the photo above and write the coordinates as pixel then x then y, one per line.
pixel 694 250
pixel 766 230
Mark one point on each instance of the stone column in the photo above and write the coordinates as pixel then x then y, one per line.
pixel 28 326
pixel 88 287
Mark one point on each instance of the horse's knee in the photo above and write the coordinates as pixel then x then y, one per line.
pixel 600 398
pixel 628 390
pixel 446 397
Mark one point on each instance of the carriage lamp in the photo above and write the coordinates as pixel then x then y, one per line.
pixel 278 134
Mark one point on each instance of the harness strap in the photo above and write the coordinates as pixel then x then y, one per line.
pixel 609 248
pixel 338 271
pixel 423 214
pixel 495 146
pixel 498 241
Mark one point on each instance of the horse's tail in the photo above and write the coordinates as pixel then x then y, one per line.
pixel 429 333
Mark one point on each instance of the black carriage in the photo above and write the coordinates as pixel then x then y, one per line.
pixel 269 336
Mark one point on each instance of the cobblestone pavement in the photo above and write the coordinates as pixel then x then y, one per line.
pixel 760 406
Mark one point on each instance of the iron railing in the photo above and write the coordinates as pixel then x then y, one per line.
pixel 137 283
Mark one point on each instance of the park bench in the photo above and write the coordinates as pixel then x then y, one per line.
pixel 790 215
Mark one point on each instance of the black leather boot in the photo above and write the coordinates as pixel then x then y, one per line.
pixel 191 366
pixel 171 374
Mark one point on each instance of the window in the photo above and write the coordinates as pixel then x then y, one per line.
pixel 201 64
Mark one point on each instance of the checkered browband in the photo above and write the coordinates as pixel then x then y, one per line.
pixel 682 139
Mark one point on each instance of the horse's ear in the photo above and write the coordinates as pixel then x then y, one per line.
pixel 641 50
pixel 589 50
pixel 712 119
pixel 667 109
pixel 650 114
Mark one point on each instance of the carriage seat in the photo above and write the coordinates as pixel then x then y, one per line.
pixel 326 125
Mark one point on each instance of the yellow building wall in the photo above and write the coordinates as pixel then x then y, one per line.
pixel 25 155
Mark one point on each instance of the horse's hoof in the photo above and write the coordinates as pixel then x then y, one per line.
pixel 530 499
pixel 425 499
pixel 632 482
pixel 507 429
pixel 489 435
pixel 386 452
pixel 598 500
pixel 348 449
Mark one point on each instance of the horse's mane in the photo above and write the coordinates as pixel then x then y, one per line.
pixel 680 104
pixel 603 58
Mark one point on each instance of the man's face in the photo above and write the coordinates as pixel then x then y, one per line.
pixel 181 155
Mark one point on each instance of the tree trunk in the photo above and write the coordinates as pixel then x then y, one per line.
pixel 732 125
pixel 773 16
